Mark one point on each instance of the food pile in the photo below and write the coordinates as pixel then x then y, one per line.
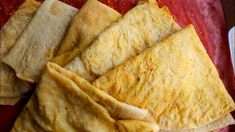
pixel 97 70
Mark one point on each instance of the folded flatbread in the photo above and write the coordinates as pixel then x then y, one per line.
pixel 136 126
pixel 11 88
pixel 87 24
pixel 40 39
pixel 16 93
pixel 175 80
pixel 10 100
pixel 213 126
pixel 117 109
pixel 139 29
pixel 60 104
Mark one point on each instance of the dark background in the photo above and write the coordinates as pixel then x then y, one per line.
pixel 229 12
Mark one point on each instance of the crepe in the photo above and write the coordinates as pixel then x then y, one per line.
pixel 40 40
pixel 60 104
pixel 139 29
pixel 10 100
pixel 136 126
pixel 11 88
pixel 118 110
pixel 213 126
pixel 175 80
pixel 87 24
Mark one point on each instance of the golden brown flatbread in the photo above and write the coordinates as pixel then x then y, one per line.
pixel 118 110
pixel 136 126
pixel 40 39
pixel 87 24
pixel 175 80
pixel 60 104
pixel 139 29
pixel 11 88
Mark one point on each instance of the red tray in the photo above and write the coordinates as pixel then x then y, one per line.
pixel 206 15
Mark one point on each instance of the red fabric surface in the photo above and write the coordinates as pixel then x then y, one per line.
pixel 206 15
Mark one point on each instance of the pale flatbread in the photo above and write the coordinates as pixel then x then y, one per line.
pixel 60 104
pixel 11 89
pixel 215 125
pixel 175 80
pixel 87 24
pixel 40 39
pixel 10 100
pixel 139 29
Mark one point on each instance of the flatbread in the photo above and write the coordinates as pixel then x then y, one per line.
pixel 40 39
pixel 17 89
pixel 213 126
pixel 87 24
pixel 118 110
pixel 10 100
pixel 175 80
pixel 139 29
pixel 11 88
pixel 60 104
pixel 16 24
pixel 136 126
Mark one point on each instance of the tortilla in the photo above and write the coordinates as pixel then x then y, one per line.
pixel 136 126
pixel 17 89
pixel 40 40
pixel 220 123
pixel 9 100
pixel 11 88
pixel 118 110
pixel 60 104
pixel 87 24
pixel 213 126
pixel 139 29
pixel 175 80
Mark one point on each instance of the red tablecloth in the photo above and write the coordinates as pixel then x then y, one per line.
pixel 206 15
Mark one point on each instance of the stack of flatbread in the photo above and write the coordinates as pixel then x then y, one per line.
pixel 96 70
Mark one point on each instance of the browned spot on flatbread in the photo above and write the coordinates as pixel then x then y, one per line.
pixel 55 9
